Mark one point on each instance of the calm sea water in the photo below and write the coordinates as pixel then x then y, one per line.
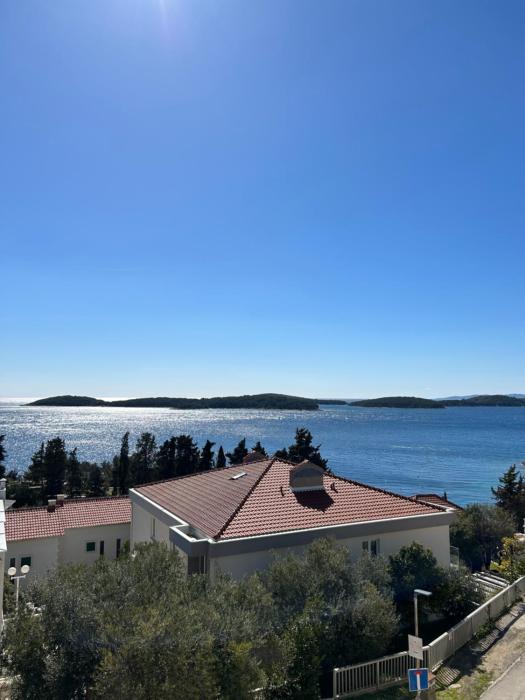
pixel 460 450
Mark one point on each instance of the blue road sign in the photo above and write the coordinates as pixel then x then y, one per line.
pixel 417 679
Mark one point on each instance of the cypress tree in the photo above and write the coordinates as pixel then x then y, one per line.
pixel 123 466
pixel 237 455
pixel 143 459
pixel 73 475
pixel 55 462
pixel 187 457
pixel 35 472
pixel 206 458
pixel 221 459
pixel 96 486
pixel 510 494
pixel 166 458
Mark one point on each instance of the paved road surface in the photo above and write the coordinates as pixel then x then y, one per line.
pixel 511 686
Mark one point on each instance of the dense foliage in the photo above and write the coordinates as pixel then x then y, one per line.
pixel 510 495
pixel 54 470
pixel 478 533
pixel 139 627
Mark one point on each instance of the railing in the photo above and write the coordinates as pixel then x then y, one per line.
pixel 392 670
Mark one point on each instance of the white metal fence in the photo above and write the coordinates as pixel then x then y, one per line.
pixel 392 670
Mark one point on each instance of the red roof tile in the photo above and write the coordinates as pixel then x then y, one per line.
pixel 31 523
pixel 436 500
pixel 262 502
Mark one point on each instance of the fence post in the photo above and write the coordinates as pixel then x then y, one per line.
pixel 334 683
pixel 377 674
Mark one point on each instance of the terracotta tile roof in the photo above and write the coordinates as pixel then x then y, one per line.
pixel 262 503
pixel 206 500
pixel 31 523
pixel 436 500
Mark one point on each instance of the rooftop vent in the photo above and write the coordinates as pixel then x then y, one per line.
pixel 238 476
pixel 306 476
pixel 60 499
pixel 51 505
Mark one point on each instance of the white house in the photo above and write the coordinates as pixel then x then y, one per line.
pixel 67 531
pixel 235 519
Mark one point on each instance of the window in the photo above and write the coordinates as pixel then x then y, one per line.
pixel 153 529
pixel 118 547
pixel 12 561
pixel 371 546
pixel 90 546
pixel 101 548
pixel 197 565
pixel 25 561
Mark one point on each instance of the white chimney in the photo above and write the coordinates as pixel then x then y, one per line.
pixel 51 505
pixel 3 483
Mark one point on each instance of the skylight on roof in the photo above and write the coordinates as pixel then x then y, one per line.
pixel 238 476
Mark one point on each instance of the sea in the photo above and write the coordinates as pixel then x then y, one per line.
pixel 462 451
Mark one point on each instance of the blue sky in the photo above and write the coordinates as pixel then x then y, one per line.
pixel 320 198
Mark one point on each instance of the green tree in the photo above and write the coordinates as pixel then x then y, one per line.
pixel 73 475
pixel 96 485
pixel 167 458
pixel 303 449
pixel 2 457
pixel 206 457
pixel 221 459
pixel 121 468
pixel 412 567
pixel 187 456
pixel 143 459
pixel 512 559
pixel 510 495
pixel 55 463
pixel 36 470
pixel 237 455
pixel 260 449
pixel 478 532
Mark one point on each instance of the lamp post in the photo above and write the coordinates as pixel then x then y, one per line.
pixel 11 572
pixel 427 594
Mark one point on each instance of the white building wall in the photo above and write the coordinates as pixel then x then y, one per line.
pixel 143 530
pixel 43 552
pixel 433 538
pixel 72 547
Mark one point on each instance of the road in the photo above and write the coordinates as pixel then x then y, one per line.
pixel 511 685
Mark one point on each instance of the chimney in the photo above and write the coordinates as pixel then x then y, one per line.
pixel 51 505
pixel 60 499
pixel 3 483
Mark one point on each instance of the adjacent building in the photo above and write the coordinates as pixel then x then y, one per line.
pixel 237 518
pixel 66 531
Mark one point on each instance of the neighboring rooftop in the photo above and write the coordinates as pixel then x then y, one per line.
pixel 32 523
pixel 436 500
pixel 261 501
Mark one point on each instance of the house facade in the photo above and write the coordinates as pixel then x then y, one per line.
pixel 77 530
pixel 238 518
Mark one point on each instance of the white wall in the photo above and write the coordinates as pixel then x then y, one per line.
pixel 72 547
pixel 141 527
pixel 43 552
pixel 434 538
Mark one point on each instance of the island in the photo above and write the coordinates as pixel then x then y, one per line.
pixel 417 402
pixel 398 402
pixel 253 401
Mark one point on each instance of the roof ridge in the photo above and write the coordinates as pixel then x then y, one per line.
pixel 245 498
pixel 206 471
pixel 79 499
pixel 378 488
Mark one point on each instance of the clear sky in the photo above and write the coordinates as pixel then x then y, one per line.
pixel 211 197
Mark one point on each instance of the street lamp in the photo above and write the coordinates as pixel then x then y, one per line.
pixel 427 594
pixel 11 572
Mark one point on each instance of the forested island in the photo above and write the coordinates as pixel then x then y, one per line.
pixel 417 402
pixel 254 401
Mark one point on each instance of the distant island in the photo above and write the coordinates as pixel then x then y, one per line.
pixel 417 402
pixel 256 401
pixel 398 402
